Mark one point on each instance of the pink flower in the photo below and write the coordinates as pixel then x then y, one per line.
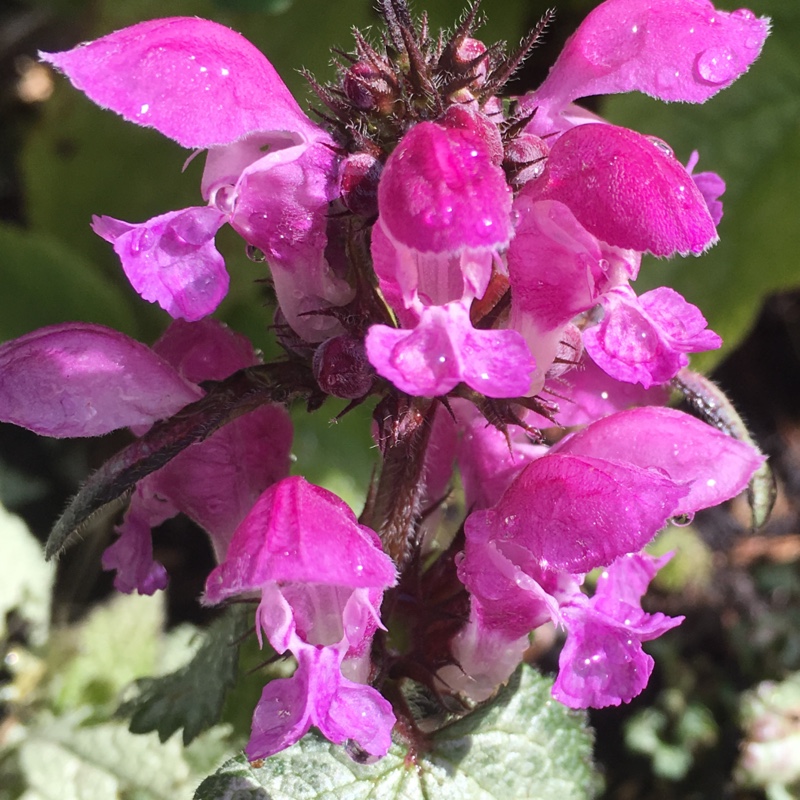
pixel 445 216
pixel 602 662
pixel 85 380
pixel 426 244
pixel 321 577
pixel 270 172
pixel 592 499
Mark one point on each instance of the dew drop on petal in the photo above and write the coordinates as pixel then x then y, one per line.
pixel 743 13
pixel 224 198
pixel 717 65
pixel 667 77
pixel 610 49
pixel 190 230
pixel 661 145
pixel 682 520
pixel 142 240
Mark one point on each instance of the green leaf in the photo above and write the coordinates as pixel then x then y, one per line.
pixel 526 745
pixel 45 282
pixel 27 579
pixel 193 696
pixel 749 135
pixel 60 758
pixel 117 643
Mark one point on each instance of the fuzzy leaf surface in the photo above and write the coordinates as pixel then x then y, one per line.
pixel 525 745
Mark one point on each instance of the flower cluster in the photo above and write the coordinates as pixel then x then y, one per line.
pixel 467 262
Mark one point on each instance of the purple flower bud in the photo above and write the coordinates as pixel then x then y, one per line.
pixel 368 88
pixel 358 184
pixel 342 368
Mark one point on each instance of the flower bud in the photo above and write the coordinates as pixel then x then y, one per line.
pixel 342 369
pixel 368 88
pixel 358 184
pixel 525 158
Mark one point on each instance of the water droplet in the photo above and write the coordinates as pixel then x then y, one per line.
pixel 191 230
pixel 661 145
pixel 145 108
pixel 711 482
pixel 717 65
pixel 743 13
pixel 438 217
pixel 224 198
pixel 142 240
pixel 752 42
pixel 682 520
pixel 609 48
pixel 254 254
pixel 604 395
pixel 224 71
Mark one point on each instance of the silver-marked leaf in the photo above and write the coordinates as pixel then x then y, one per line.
pixel 526 746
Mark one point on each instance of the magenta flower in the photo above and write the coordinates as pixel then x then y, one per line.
pixel 445 216
pixel 469 263
pixel 593 498
pixel 321 576
pixel 85 380
pixel 270 172
pixel 602 662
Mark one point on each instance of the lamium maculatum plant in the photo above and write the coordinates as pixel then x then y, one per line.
pixel 463 262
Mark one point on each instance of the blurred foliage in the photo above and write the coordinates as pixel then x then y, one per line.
pixel 58 695
pixel 771 719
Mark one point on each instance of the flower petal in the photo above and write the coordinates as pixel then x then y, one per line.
pixel 284 533
pixel 195 81
pixel 206 350
pixel 671 49
pixel 627 191
pixel 440 192
pixel 576 513
pixel 602 662
pixel 171 259
pixel 645 339
pixel 444 350
pixel 132 554
pixel 78 379
pixel 675 444
pixel 282 208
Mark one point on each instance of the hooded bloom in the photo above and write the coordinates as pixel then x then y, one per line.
pixel 594 498
pixel 270 172
pixel 80 379
pixel 321 578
